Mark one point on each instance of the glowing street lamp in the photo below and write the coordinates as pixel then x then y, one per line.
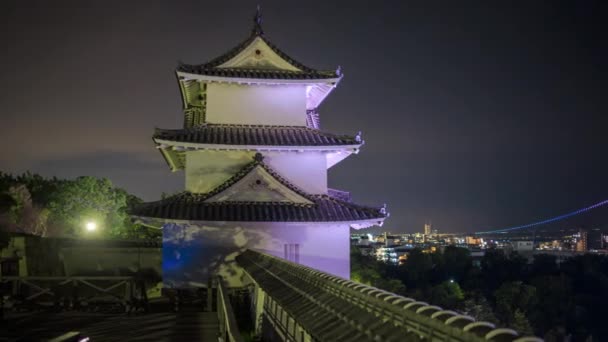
pixel 91 226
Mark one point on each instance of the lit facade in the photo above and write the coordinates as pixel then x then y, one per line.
pixel 255 164
pixel 581 241
pixel 427 229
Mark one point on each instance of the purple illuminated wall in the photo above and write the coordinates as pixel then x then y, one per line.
pixel 192 253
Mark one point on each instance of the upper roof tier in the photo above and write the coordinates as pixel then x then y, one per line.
pixel 258 58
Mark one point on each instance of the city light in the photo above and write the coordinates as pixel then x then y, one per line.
pixel 91 226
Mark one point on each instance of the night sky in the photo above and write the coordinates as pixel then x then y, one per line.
pixel 475 114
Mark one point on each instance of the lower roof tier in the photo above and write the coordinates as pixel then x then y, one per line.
pixel 188 206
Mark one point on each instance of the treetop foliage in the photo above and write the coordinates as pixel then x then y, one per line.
pixel 557 301
pixel 33 204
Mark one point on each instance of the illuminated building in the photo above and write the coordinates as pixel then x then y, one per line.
pixel 581 241
pixel 427 229
pixel 255 164
pixel 390 240
pixel 387 254
pixel 471 240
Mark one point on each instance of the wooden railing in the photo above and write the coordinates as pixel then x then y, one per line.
pixel 72 292
pixel 228 327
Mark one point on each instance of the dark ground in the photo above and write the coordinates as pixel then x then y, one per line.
pixel 158 325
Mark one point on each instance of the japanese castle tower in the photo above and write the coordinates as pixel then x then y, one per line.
pixel 255 163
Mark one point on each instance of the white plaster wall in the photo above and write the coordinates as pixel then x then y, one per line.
pixel 230 103
pixel 194 252
pixel 307 170
pixel 205 170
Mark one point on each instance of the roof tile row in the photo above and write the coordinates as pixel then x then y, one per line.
pixel 255 135
pixel 192 207
pixel 256 73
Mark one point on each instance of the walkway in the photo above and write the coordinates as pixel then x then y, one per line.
pixel 302 304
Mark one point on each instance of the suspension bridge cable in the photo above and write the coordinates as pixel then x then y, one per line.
pixel 553 219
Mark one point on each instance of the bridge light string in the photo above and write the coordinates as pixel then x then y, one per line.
pixel 553 219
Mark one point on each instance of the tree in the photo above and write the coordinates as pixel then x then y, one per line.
pixel 418 267
pixel 6 202
pixel 544 264
pixel 479 308
pixel 41 189
pixel 90 199
pixel 448 295
pixel 391 285
pixel 521 323
pixel 555 296
pixel 363 269
pixel 493 270
pixel 20 214
pixel 457 262
pixel 498 268
pixel 513 296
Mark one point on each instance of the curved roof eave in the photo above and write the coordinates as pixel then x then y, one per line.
pixel 248 80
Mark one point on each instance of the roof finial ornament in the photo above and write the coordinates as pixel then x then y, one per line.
pixel 358 137
pixel 383 209
pixel 258 157
pixel 257 22
pixel 339 71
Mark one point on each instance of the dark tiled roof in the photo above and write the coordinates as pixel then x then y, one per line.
pixel 256 73
pixel 211 68
pixel 339 194
pixel 189 206
pixel 255 135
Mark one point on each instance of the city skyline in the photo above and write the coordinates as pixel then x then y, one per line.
pixel 475 117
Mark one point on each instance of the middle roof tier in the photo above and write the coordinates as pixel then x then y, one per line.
pixel 174 143
pixel 254 135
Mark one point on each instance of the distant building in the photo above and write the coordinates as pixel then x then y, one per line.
pixel 596 240
pixel 390 240
pixel 392 254
pixel 363 240
pixel 427 229
pixel 581 241
pixel 477 255
pixel 366 250
pixel 471 240
pixel 387 255
pixel 522 246
pixel 551 245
